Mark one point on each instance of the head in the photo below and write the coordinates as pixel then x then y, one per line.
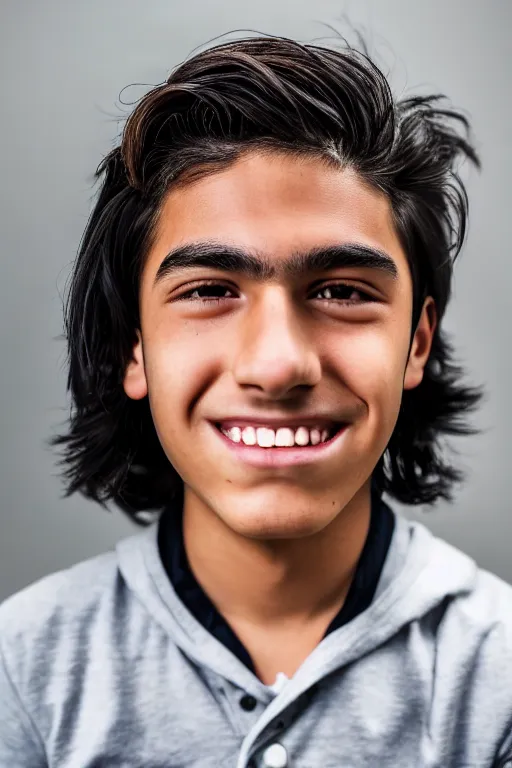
pixel 273 244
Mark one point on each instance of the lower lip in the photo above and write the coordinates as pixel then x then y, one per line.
pixel 282 457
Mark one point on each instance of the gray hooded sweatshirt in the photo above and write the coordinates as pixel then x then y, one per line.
pixel 102 665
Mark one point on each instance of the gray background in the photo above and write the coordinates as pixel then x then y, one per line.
pixel 63 67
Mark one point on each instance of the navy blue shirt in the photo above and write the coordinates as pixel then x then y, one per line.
pixel 359 597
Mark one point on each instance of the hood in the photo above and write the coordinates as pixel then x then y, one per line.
pixel 420 572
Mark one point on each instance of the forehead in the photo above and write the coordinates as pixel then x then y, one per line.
pixel 277 204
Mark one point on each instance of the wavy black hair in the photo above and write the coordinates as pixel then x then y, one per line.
pixel 264 93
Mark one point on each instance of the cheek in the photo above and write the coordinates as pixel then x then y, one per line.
pixel 180 364
pixel 372 363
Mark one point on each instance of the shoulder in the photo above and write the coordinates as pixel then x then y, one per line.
pixel 50 632
pixel 42 622
pixel 481 599
pixel 467 608
pixel 473 596
pixel 58 596
pixel 475 645
pixel 474 626
pixel 487 606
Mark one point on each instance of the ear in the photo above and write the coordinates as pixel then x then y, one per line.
pixel 135 384
pixel 421 345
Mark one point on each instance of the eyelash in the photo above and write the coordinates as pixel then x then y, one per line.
pixel 187 296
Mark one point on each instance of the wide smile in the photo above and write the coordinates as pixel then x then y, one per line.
pixel 260 446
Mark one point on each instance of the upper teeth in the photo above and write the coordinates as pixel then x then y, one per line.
pixel 265 437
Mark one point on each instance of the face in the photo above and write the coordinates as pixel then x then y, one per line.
pixel 276 307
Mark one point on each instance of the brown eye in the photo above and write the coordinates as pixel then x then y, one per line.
pixel 207 292
pixel 342 292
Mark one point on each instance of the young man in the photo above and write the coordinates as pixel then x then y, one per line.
pixel 256 352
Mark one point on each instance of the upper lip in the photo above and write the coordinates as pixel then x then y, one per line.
pixel 274 422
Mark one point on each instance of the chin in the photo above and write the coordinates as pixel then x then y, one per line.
pixel 265 523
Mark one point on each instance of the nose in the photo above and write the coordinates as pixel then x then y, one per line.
pixel 275 355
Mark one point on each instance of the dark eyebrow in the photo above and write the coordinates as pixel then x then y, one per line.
pixel 229 258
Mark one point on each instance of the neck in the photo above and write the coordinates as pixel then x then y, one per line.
pixel 277 582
